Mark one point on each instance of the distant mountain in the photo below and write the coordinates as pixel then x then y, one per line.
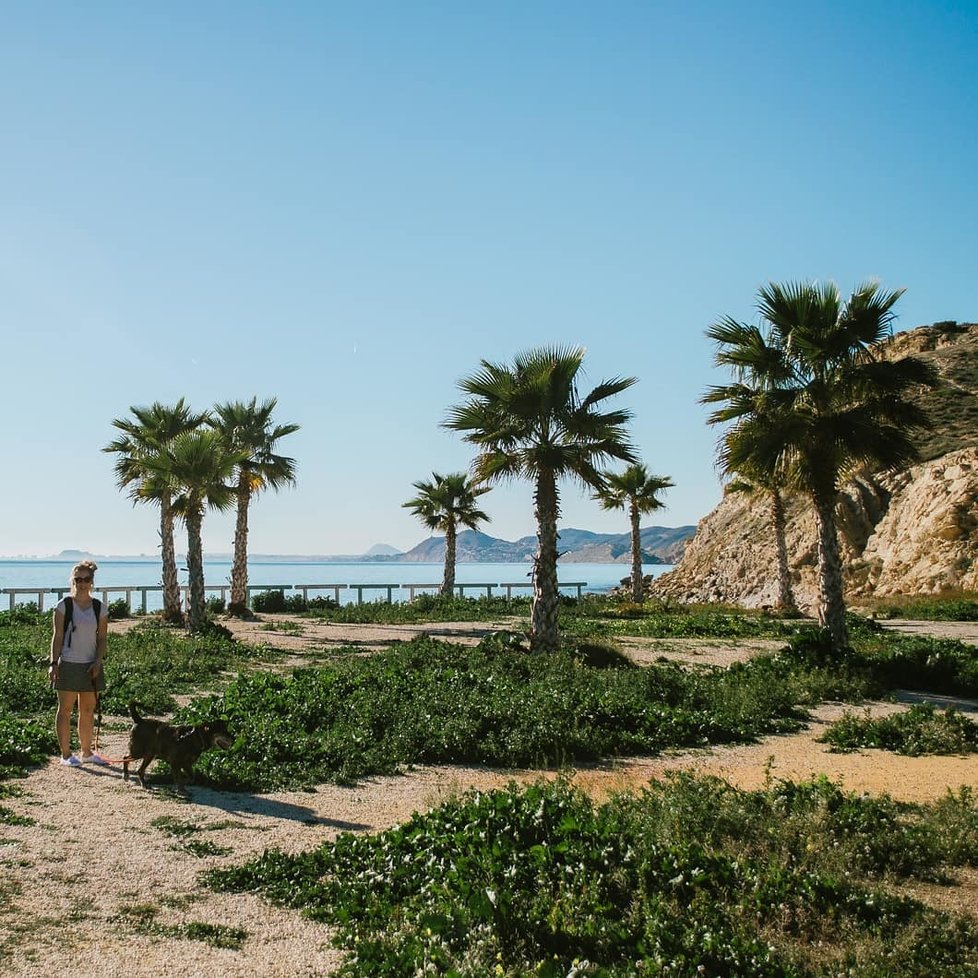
pixel 660 545
pixel 382 550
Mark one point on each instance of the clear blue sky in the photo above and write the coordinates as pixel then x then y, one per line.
pixel 347 206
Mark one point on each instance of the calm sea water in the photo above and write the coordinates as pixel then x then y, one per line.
pixel 598 578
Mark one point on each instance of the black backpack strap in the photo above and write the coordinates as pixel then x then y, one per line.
pixel 96 607
pixel 67 626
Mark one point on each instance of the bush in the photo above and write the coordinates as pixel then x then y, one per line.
pixel 118 609
pixel 429 702
pixel 270 601
pixel 919 730
pixel 691 877
pixel 957 606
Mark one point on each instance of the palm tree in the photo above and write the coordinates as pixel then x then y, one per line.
pixel 443 504
pixel 814 403
pixel 143 441
pixel 636 489
pixel 198 465
pixel 529 421
pixel 762 485
pixel 247 431
pixel 741 455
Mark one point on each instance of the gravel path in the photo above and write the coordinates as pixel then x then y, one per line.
pixel 82 889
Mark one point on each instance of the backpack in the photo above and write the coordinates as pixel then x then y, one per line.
pixel 96 607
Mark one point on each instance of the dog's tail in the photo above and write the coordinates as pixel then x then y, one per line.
pixel 132 711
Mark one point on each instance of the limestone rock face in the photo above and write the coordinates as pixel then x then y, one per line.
pixel 911 532
pixel 926 542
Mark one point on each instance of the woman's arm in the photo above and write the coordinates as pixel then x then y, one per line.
pixel 57 641
pixel 101 642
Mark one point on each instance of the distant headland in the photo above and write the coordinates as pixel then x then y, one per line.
pixel 660 545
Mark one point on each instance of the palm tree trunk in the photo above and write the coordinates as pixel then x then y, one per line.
pixel 239 568
pixel 451 545
pixel 786 596
pixel 172 611
pixel 831 600
pixel 544 633
pixel 638 585
pixel 195 568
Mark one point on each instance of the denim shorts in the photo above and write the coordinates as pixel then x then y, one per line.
pixel 74 677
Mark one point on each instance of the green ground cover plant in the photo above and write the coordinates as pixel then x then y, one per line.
pixel 424 607
pixel 604 616
pixel 689 877
pixel 951 606
pixel 142 918
pixel 884 660
pixel 149 663
pixel 427 701
pixel 920 730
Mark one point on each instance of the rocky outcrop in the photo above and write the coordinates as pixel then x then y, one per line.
pixel 914 533
pixel 911 532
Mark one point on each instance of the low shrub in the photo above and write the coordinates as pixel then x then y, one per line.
pixel 920 730
pixel 956 606
pixel 691 877
pixel 118 609
pixel 23 744
pixel 269 601
pixel 424 607
pixel 430 702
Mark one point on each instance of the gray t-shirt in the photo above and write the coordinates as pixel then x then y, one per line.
pixel 81 636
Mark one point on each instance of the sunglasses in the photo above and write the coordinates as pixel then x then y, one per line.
pixel 83 580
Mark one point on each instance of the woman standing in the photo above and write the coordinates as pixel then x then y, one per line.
pixel 77 652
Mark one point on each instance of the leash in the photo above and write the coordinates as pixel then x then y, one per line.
pixel 98 712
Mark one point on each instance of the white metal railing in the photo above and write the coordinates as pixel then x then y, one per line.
pixel 143 589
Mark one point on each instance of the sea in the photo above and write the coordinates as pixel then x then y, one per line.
pixel 115 575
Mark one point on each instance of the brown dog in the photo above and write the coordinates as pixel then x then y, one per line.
pixel 178 746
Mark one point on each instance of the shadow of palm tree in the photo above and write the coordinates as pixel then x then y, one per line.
pixel 242 803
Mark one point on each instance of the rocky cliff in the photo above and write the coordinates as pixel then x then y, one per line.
pixel 909 532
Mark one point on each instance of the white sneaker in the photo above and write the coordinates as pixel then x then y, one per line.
pixel 70 761
pixel 93 759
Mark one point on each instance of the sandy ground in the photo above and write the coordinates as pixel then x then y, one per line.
pixel 73 884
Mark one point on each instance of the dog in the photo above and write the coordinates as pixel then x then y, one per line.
pixel 179 746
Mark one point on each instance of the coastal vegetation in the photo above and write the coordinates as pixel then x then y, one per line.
pixel 689 877
pixel 444 503
pixel 922 729
pixel 249 435
pixel 529 420
pixel 636 490
pixel 187 462
pixel 144 441
pixel 812 403
pixel 793 880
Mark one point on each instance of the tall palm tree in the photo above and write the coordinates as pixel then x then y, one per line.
pixel 444 503
pixel 198 465
pixel 639 491
pixel 144 440
pixel 247 431
pixel 742 456
pixel 815 403
pixel 530 421
pixel 770 487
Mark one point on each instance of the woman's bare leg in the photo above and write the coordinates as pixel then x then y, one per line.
pixel 86 721
pixel 62 721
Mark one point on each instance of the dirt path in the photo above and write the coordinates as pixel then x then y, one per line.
pixel 75 885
